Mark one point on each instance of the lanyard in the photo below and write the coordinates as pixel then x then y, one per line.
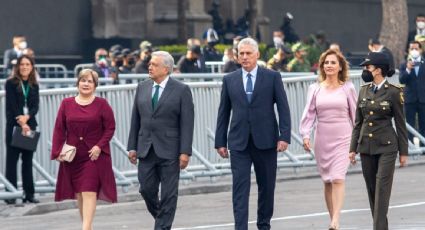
pixel 25 91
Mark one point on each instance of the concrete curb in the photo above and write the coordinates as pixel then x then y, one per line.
pixel 225 186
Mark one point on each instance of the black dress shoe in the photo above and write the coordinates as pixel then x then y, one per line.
pixel 30 200
pixel 10 201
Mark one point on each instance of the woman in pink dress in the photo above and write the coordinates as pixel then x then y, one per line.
pixel 86 122
pixel 330 109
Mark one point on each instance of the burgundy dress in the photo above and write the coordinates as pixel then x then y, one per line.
pixel 85 126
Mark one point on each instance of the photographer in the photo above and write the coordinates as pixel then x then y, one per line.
pixel 412 75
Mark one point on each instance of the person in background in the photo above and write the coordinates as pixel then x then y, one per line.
pixel 142 66
pixel 22 103
pixel 376 46
pixel 291 36
pixel 189 62
pixel 279 61
pixel 231 63
pixel 209 51
pixel 299 63
pixel 335 46
pixel 330 110
pixel 86 122
pixel 419 29
pixel 128 61
pixel 412 75
pixel 11 55
pixel 374 137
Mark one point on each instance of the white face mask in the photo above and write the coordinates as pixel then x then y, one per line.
pixel 22 45
pixel 277 41
pixel 415 54
pixel 420 25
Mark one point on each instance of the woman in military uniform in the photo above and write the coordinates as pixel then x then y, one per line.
pixel 374 136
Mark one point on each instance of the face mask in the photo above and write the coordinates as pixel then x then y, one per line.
pixel 420 25
pixel 367 76
pixel 131 62
pixel 414 54
pixel 22 45
pixel 102 62
pixel 119 63
pixel 147 58
pixel 225 58
pixel 277 41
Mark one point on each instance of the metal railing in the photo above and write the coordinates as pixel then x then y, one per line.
pixel 205 161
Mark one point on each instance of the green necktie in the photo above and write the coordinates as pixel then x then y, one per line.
pixel 155 97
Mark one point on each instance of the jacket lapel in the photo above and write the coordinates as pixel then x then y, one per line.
pixel 147 93
pixel 169 87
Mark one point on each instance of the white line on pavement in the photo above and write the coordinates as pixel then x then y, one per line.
pixel 298 216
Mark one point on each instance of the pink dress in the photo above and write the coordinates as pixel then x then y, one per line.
pixel 84 127
pixel 332 113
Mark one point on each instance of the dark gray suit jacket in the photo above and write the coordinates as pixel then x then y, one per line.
pixel 257 118
pixel 169 128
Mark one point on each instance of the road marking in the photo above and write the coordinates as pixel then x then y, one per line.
pixel 299 216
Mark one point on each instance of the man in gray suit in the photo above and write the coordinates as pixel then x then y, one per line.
pixel 161 137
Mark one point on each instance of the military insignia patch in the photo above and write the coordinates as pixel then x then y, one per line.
pixel 402 98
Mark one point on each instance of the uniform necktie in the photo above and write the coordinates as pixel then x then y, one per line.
pixel 375 88
pixel 155 97
pixel 249 87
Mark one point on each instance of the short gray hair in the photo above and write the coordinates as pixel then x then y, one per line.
pixel 250 42
pixel 167 59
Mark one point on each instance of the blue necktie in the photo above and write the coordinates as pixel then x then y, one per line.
pixel 249 87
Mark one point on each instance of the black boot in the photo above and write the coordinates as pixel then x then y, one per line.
pixel 10 201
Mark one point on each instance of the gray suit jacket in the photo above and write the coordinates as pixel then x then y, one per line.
pixel 168 128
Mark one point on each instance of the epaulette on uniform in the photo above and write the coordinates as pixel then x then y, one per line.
pixel 396 86
pixel 367 84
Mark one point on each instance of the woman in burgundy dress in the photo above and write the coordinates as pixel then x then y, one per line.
pixel 86 122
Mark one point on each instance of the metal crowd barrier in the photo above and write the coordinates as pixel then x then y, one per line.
pixel 80 67
pixel 205 161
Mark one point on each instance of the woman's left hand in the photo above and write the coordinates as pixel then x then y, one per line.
pixel 94 153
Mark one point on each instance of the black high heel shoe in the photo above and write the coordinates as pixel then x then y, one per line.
pixel 10 201
pixel 30 200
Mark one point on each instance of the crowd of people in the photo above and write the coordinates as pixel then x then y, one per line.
pixel 346 123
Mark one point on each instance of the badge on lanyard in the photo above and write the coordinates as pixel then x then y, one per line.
pixel 25 91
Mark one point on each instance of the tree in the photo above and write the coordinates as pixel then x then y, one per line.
pixel 394 27
pixel 181 21
pixel 252 8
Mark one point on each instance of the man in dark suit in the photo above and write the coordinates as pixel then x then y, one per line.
pixel 161 137
pixel 11 55
pixel 376 46
pixel 419 29
pixel 412 75
pixel 255 136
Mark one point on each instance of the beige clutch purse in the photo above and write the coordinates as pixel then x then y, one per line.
pixel 68 152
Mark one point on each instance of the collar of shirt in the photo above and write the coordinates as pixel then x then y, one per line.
pixel 420 32
pixel 417 60
pixel 162 84
pixel 253 77
pixel 380 84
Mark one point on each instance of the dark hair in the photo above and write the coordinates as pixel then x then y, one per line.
pixel 416 42
pixel 17 77
pixel 420 16
pixel 386 70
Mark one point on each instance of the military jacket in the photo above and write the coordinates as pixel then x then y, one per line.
pixel 373 132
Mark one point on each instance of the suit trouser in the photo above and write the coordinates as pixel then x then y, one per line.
pixel 152 171
pixel 265 164
pixel 378 172
pixel 12 157
pixel 411 110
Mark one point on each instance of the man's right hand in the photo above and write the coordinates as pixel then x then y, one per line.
pixel 222 151
pixel 132 156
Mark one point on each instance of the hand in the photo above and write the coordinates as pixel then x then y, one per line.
pixel 306 144
pixel 222 151
pixel 403 160
pixel 60 158
pixel 94 153
pixel 132 156
pixel 352 156
pixel 25 129
pixel 184 160
pixel 410 65
pixel 22 119
pixel 281 146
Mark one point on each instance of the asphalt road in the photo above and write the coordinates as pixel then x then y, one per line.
pixel 299 204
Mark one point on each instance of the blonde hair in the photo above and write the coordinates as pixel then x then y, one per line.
pixel 88 72
pixel 342 74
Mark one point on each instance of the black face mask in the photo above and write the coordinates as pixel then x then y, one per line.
pixel 119 63
pixel 367 76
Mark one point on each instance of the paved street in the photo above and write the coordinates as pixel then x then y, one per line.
pixel 299 205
